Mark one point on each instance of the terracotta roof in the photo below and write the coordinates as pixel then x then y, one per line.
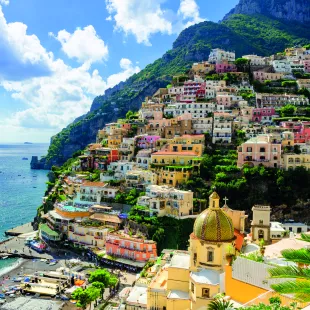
pixel 106 218
pixel 175 153
pixel 93 184
pixel 239 239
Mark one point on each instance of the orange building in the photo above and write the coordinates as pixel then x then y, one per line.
pixel 122 245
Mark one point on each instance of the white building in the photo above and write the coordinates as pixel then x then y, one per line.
pixel 202 125
pixel 218 55
pixel 282 65
pixel 143 158
pixel 120 168
pixel 164 200
pixel 294 227
pixel 222 127
pixel 255 60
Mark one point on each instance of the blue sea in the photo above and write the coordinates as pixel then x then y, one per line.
pixel 21 189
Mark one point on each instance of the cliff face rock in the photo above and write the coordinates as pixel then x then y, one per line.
pixel 292 10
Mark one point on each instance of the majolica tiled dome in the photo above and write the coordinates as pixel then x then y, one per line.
pixel 213 224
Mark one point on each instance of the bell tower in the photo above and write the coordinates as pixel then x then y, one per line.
pixel 260 225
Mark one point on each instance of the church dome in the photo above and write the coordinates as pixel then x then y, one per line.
pixel 214 224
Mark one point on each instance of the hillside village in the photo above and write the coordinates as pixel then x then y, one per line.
pixel 149 171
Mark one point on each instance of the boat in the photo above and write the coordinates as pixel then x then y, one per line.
pixel 24 158
pixel 4 257
pixel 28 142
pixel 18 279
pixel 2 301
pixel 2 296
pixel 52 263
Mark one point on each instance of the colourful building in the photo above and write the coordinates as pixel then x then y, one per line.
pixel 162 158
pixel 225 67
pixel 263 115
pixel 291 161
pixel 122 245
pixel 263 149
pixel 146 141
pixel 164 200
pixel 190 280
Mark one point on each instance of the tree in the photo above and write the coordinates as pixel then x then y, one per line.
pixel 242 64
pixel 85 297
pixel 129 114
pixel 300 274
pixel 100 286
pixel 288 110
pixel 103 276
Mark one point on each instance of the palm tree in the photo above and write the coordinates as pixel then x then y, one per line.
pixel 219 303
pixel 299 273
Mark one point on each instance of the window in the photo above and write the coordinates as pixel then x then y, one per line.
pixel 261 222
pixel 192 287
pixel 262 149
pixel 249 149
pixel 205 293
pixel 210 255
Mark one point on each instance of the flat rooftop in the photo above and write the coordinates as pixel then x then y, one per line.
pixel 160 280
pixel 180 260
pixel 176 294
pixel 206 276
pixel 138 296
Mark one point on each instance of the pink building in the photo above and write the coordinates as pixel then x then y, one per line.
pixel 192 90
pixel 121 245
pixel 263 115
pixel 307 65
pixel 263 149
pixel 225 67
pixel 224 100
pixel 303 135
pixel 146 141
pixel 263 76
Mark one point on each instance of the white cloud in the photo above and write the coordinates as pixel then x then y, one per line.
pixel 140 18
pixel 145 18
pixel 22 55
pixel 5 2
pixel 128 70
pixel 83 44
pixel 56 100
pixel 189 10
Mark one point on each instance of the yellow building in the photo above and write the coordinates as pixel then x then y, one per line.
pixel 190 280
pixel 163 158
pixel 91 236
pixel 287 138
pixel 291 161
pixel 173 175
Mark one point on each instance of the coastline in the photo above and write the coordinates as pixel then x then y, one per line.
pixel 11 268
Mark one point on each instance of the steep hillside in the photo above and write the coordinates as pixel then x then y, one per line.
pixel 291 10
pixel 241 33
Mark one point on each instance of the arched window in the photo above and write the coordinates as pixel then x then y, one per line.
pixel 210 252
pixel 260 234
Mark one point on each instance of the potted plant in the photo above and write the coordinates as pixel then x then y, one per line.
pixel 262 246
pixel 230 254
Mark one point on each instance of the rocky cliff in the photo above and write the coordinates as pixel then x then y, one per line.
pixel 291 10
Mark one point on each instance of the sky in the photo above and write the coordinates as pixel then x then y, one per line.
pixel 56 56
